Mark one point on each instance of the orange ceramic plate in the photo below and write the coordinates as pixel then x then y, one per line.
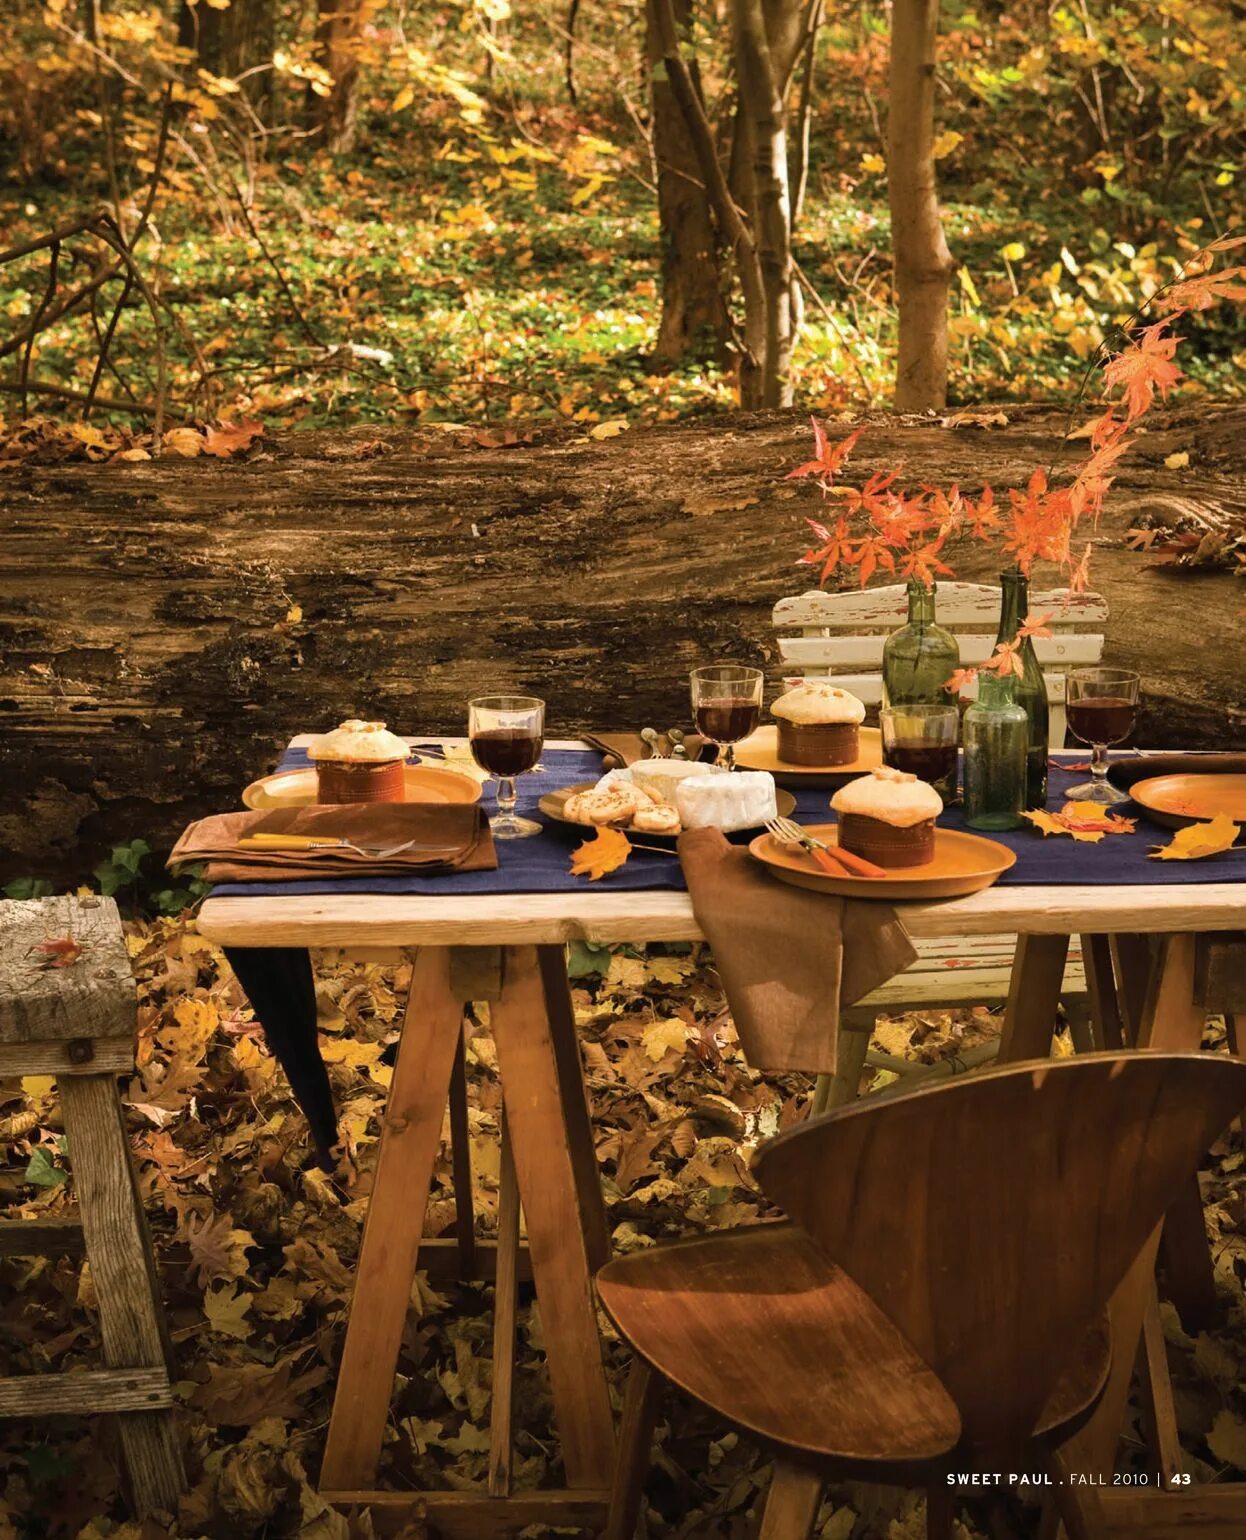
pixel 1177 800
pixel 553 802
pixel 760 751
pixel 297 788
pixel 963 863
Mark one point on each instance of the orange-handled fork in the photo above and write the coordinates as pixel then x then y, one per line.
pixel 833 860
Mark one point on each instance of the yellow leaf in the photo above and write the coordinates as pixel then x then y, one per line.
pixel 1085 821
pixel 605 852
pixel 1198 840
pixel 873 163
pixel 1013 252
pixel 946 143
pixel 967 284
pixel 1178 461
pixel 611 429
pixel 136 453
pixel 226 1311
pixel 660 1037
pixel 187 442
pixel 38 1086
pixel 294 614
pixel 404 99
pixel 1049 824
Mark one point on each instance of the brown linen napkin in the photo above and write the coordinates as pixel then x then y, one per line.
pixel 788 958
pixel 458 831
pixel 1126 772
pixel 629 747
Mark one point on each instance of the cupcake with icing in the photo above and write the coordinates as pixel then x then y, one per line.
pixel 819 724
pixel 888 817
pixel 359 762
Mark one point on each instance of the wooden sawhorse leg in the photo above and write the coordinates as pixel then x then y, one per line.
pixel 118 1248
pixel 549 1138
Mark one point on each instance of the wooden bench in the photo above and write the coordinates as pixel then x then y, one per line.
pixel 68 1009
pixel 841 636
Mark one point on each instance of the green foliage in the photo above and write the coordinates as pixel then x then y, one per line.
pixel 41 1170
pixel 27 887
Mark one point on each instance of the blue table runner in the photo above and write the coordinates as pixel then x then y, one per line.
pixel 539 864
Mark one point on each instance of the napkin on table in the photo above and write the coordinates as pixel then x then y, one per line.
pixel 629 747
pixel 788 958
pixel 450 837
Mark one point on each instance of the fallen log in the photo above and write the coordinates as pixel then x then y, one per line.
pixel 166 627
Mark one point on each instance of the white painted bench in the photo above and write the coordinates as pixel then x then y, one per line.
pixel 841 635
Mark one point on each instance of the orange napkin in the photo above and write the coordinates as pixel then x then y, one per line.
pixel 449 837
pixel 788 958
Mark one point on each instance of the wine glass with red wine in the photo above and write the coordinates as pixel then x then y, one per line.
pixel 506 733
pixel 726 705
pixel 1101 704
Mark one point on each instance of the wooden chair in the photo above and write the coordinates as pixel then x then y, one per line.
pixel 937 1303
pixel 73 1015
pixel 841 636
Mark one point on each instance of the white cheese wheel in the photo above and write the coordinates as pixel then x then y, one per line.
pixel 741 800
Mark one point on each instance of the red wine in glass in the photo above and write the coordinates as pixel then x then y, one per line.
pixel 728 719
pixel 934 762
pixel 1102 718
pixel 504 751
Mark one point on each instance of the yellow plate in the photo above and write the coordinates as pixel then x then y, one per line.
pixel 553 802
pixel 297 788
pixel 963 863
pixel 760 751
pixel 1178 800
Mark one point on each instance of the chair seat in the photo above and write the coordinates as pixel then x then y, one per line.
pixel 758 1326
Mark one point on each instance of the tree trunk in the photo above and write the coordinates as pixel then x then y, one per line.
pixel 923 264
pixel 337 50
pixel 695 322
pixel 150 665
pixel 233 41
pixel 763 107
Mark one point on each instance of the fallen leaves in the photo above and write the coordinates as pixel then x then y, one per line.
pixel 604 853
pixel 44 441
pixel 1085 821
pixel 62 952
pixel 1199 840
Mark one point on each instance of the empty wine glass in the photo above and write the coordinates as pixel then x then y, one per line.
pixel 506 733
pixel 726 705
pixel 1102 704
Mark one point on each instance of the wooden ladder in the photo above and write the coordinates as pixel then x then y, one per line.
pixel 72 1014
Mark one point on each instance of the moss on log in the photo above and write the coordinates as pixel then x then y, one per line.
pixel 149 664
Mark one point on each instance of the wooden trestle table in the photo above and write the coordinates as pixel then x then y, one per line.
pixel 508 949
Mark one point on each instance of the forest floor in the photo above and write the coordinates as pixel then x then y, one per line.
pixel 443 277
pixel 256 1252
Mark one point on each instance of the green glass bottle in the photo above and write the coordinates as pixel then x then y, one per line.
pixel 996 736
pixel 1030 690
pixel 921 656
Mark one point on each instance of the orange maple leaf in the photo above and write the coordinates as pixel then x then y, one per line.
pixel 60 953
pixel 605 852
pixel 828 457
pixel 1084 821
pixel 227 438
pixel 1143 367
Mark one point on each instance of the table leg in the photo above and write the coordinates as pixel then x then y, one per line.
pixel 1169 1020
pixel 505 1300
pixel 410 1137
pixel 536 1106
pixel 577 1118
pixel 1106 1021
pixel 1033 998
pixel 461 1157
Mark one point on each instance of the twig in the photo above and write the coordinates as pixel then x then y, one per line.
pixel 62 393
pixel 305 326
pixel 105 342
pixel 49 291
pixel 836 328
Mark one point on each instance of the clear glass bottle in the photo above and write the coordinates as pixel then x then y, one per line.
pixel 921 656
pixel 1030 690
pixel 995 734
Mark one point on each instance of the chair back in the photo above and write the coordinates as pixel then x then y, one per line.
pixel 991 1218
pixel 841 635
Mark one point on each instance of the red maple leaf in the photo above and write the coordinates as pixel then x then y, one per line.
pixel 1143 367
pixel 828 457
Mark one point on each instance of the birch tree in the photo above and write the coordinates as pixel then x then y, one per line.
pixel 923 263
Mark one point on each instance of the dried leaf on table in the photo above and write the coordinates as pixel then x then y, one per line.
pixel 605 852
pixel 1085 821
pixel 1198 840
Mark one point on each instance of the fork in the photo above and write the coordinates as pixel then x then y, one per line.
pixel 788 832
pixel 309 842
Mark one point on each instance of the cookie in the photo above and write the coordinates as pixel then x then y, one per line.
pixel 657 820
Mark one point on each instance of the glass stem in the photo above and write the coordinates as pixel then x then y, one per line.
pixel 1099 762
pixel 506 796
